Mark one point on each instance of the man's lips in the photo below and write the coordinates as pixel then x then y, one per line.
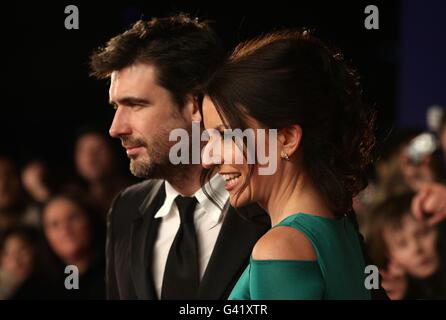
pixel 131 150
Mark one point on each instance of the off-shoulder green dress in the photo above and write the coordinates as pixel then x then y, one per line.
pixel 338 272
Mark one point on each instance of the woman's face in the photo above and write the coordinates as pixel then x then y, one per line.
pixel 223 155
pixel 66 228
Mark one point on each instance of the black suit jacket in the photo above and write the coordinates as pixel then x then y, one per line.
pixel 132 231
pixel 131 234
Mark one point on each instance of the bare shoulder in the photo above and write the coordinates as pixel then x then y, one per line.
pixel 284 243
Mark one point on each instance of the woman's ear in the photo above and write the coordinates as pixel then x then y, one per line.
pixel 290 139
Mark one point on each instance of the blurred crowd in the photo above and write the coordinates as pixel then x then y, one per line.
pixel 404 239
pixel 48 222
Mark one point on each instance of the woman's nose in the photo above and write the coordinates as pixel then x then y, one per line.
pixel 211 155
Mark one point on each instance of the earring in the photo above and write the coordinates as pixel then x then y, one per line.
pixel 285 156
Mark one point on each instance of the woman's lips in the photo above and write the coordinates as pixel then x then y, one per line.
pixel 233 182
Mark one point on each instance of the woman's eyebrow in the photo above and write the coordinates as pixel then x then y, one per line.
pixel 221 127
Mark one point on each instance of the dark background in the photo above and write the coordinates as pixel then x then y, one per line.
pixel 50 96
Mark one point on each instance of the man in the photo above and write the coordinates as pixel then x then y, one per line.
pixel 156 69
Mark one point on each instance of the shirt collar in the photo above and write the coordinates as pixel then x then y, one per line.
pixel 216 191
pixel 214 188
pixel 171 194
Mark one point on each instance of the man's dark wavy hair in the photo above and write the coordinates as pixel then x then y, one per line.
pixel 184 50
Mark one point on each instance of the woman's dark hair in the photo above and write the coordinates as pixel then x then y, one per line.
pixel 291 77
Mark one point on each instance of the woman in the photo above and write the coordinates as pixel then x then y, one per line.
pixel 74 236
pixel 290 81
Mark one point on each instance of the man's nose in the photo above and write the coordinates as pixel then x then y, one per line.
pixel 120 125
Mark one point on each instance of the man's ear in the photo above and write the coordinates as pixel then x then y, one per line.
pixel 196 115
pixel 290 139
pixel 192 108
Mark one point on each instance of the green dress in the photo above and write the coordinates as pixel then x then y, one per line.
pixel 338 272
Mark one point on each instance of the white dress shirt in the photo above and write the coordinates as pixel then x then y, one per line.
pixel 208 219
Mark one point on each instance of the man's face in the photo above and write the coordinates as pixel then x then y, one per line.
pixel 145 115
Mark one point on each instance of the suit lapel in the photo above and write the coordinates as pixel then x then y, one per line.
pixel 143 235
pixel 231 253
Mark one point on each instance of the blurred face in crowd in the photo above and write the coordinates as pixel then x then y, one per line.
pixel 17 257
pixel 93 157
pixel 145 115
pixel 415 175
pixel 413 247
pixel 66 228
pixel 33 176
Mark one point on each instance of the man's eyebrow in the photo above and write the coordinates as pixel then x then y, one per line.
pixel 129 101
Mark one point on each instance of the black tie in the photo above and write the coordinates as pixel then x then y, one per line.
pixel 181 276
